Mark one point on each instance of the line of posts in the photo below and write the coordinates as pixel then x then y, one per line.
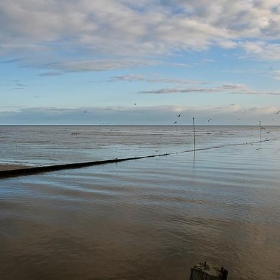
pixel 260 124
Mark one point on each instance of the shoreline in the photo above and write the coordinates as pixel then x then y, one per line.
pixel 9 166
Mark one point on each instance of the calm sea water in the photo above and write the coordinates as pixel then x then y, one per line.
pixel 151 218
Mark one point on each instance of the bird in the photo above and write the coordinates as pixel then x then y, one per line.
pixel 179 115
pixel 209 120
pixel 277 112
pixel 134 103
pixel 175 122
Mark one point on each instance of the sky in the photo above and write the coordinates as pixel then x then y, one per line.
pixel 127 62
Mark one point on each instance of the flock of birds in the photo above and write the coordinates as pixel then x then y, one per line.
pixel 209 120
pixel 180 116
pixel 177 117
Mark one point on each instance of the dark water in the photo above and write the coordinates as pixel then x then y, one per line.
pixel 152 218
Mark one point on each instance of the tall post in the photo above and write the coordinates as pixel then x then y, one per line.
pixel 260 123
pixel 193 135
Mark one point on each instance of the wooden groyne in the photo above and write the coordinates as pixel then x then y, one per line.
pixel 25 171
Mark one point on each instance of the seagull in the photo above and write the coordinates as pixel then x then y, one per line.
pixel 134 103
pixel 277 112
pixel 179 115
pixel 175 122
pixel 209 120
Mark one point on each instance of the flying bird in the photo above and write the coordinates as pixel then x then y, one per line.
pixel 175 122
pixel 209 120
pixel 277 112
pixel 179 115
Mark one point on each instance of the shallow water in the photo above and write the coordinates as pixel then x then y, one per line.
pixel 151 218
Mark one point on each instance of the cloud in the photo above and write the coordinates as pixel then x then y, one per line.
pixel 50 74
pixel 226 88
pixel 158 115
pixel 18 85
pixel 7 61
pixel 179 65
pixel 94 65
pixel 228 44
pixel 133 78
pixel 193 88
pixel 128 78
pixel 108 31
pixel 262 50
pixel 276 74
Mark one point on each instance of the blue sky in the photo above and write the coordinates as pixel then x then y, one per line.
pixel 140 62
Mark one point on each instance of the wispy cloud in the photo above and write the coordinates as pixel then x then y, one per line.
pixel 226 88
pixel 128 78
pixel 18 85
pixel 50 74
pixel 154 79
pixel 7 61
pixel 193 85
pixel 276 74
pixel 95 65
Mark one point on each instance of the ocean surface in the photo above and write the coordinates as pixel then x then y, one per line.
pixel 151 218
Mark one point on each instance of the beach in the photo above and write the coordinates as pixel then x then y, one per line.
pixel 6 167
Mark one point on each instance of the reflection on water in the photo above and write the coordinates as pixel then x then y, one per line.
pixel 146 219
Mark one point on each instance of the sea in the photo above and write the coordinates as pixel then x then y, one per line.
pixel 209 193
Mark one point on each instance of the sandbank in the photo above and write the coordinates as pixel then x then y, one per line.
pixel 5 167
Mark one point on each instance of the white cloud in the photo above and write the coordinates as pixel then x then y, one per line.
pixel 112 29
pixel 262 50
pixel 228 44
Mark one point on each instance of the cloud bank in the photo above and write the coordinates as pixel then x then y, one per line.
pixel 68 32
pixel 153 115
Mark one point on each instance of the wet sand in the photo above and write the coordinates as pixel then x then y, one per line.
pixel 5 167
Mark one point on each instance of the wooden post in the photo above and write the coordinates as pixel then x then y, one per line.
pixel 260 124
pixel 193 136
pixel 208 271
